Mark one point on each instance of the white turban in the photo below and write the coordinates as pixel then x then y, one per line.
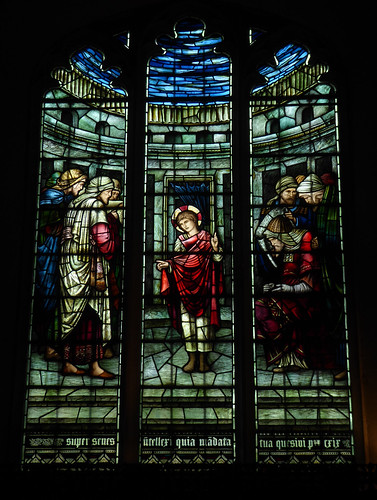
pixel 311 184
pixel 94 188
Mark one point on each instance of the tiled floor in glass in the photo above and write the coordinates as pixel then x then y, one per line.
pixel 306 396
pixel 54 397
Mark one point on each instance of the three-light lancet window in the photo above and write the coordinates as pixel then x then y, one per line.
pixel 189 358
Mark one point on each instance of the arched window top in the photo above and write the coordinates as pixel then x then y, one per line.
pixel 102 128
pixel 292 72
pixel 304 115
pixel 189 70
pixel 88 78
pixel 287 59
pixel 90 62
pixel 273 126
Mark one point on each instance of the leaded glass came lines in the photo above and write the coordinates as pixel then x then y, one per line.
pixel 302 393
pixel 187 384
pixel 73 384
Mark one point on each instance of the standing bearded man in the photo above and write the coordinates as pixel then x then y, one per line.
pixel 89 243
pixel 59 191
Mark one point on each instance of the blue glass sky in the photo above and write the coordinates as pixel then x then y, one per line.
pixel 90 62
pixel 189 69
pixel 288 59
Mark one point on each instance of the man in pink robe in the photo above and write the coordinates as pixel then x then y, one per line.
pixel 288 317
pixel 89 242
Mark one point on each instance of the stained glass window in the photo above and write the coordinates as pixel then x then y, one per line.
pixel 192 334
pixel 302 396
pixel 73 382
pixel 187 363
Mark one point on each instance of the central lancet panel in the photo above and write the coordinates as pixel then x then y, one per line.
pixel 187 395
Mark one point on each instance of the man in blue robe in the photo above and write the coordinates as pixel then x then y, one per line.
pixel 54 201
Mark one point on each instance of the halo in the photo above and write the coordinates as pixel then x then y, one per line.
pixel 185 208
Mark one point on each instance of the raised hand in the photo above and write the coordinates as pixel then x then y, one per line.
pixel 215 242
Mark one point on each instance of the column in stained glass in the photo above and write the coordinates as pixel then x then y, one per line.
pixel 187 391
pixel 71 414
pixel 302 398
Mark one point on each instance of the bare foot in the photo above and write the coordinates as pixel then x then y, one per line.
pixel 70 369
pixel 190 366
pixel 341 376
pixel 51 354
pixel 98 372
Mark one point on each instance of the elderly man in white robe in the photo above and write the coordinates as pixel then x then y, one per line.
pixel 87 246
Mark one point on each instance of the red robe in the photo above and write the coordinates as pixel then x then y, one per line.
pixel 195 279
pixel 293 322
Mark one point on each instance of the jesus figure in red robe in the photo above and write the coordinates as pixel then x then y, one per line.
pixel 192 283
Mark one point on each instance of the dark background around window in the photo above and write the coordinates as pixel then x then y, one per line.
pixel 37 38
